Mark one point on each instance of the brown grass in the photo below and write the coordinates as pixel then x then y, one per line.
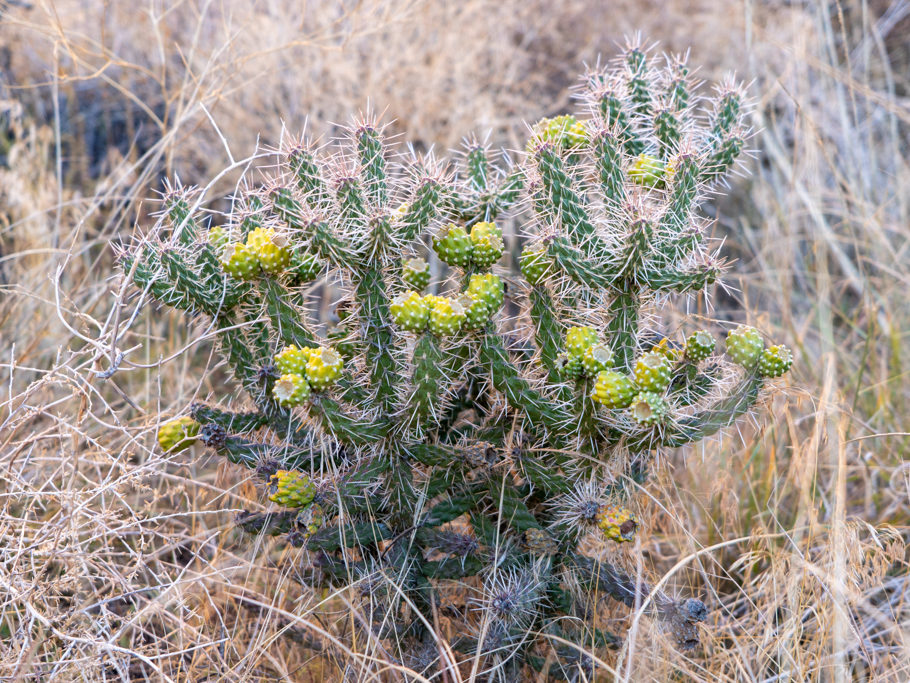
pixel 117 562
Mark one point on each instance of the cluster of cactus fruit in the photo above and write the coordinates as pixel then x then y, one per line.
pixel 462 435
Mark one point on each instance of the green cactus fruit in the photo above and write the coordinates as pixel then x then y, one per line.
pixel 775 361
pixel 613 390
pixel 565 131
pixel 649 408
pixel 488 288
pixel 324 368
pixel 664 348
pixel 579 339
pixel 596 359
pixel 304 266
pixel 477 312
pixel 535 264
pixel 744 345
pixel 291 360
pixel 648 171
pixel 570 367
pixel 617 523
pixel 218 238
pixel 699 346
pixel 486 244
pixel 291 389
pixel 652 372
pixel 310 519
pixel 239 261
pixel 410 311
pixel 271 248
pixel 446 316
pixel 416 273
pixel 178 434
pixel 401 211
pixel 291 488
pixel 453 245
pixel 539 542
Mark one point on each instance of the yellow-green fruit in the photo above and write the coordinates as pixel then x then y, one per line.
pixel 416 273
pixel 486 244
pixel 310 519
pixel 446 316
pixel 324 368
pixel 775 361
pixel 291 390
pixel 487 287
pixel 565 131
pixel 453 245
pixel 271 248
pixel 535 263
pixel 476 311
pixel 613 390
pixel 649 408
pixel 178 434
pixel 239 261
pixel 291 360
pixel 410 311
pixel 218 238
pixel 744 345
pixel 291 488
pixel 305 266
pixel 617 523
pixel 663 347
pixel 648 171
pixel 699 345
pixel 597 358
pixel 579 339
pixel 570 367
pixel 652 372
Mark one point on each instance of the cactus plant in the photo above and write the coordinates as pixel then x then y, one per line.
pixel 458 448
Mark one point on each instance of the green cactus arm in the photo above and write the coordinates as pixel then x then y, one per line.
pixel 356 535
pixel 308 177
pixel 689 280
pixel 478 166
pixel 547 331
pixel 545 475
pixel 352 209
pixel 568 205
pixel 667 131
pixel 225 290
pixel 186 280
pixel 616 117
pixel 452 507
pixel 636 249
pixel 323 241
pixel 372 165
pixel 378 337
pixel 607 148
pixel 638 84
pixel 422 406
pixel 147 274
pixel 577 266
pixel 356 431
pixel 585 412
pixel 518 393
pixel 177 208
pixel 422 209
pixel 242 451
pixel 236 423
pixel 719 416
pixel 505 195
pixel 267 523
pixel 252 216
pixel 430 454
pixel 402 495
pixel 622 329
pixel 235 348
pixel 721 157
pixel 511 508
pixel 284 317
pixel 689 386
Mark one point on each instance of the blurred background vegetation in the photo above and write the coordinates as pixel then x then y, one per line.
pixel 118 562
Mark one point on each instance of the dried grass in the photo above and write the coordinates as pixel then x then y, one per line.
pixel 117 562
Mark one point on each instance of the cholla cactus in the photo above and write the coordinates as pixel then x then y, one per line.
pixel 424 440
